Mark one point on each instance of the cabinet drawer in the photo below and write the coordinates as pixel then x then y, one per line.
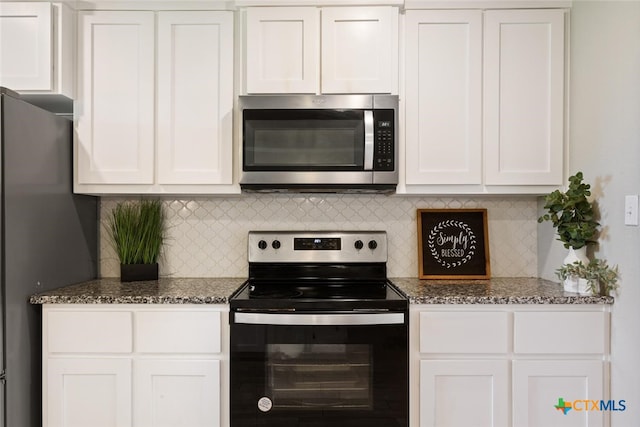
pixel 464 332
pixel 177 332
pixel 556 333
pixel 89 331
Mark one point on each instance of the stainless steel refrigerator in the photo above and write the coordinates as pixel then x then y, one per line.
pixel 48 239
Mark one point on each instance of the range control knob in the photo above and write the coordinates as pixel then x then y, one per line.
pixel 358 244
pixel 262 244
pixel 373 244
pixel 275 244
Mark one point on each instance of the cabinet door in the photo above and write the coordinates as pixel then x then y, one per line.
pixel 88 392
pixel 463 393
pixel 195 97
pixel 25 46
pixel 444 97
pixel 115 108
pixel 464 332
pixel 87 331
pixel 193 331
pixel 523 98
pixel 589 332
pixel 177 393
pixel 359 49
pixel 539 385
pixel 283 50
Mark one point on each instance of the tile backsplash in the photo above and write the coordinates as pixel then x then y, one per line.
pixel 208 236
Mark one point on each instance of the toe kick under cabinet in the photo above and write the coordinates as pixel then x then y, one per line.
pixel 135 365
pixel 507 365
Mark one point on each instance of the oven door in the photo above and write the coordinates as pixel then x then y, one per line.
pixel 319 370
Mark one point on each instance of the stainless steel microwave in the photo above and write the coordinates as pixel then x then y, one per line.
pixel 308 143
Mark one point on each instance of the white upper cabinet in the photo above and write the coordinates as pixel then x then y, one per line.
pixel 283 48
pixel 524 97
pixel 359 49
pixel 25 45
pixel 484 101
pixel 321 50
pixel 195 97
pixel 37 47
pixel 444 97
pixel 155 106
pixel 115 108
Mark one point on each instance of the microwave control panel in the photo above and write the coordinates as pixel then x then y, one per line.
pixel 384 131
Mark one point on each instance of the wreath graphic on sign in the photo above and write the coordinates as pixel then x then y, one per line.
pixel 443 225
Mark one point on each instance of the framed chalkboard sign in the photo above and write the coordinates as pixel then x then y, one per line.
pixel 453 244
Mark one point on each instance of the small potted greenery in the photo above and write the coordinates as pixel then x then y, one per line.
pixel 137 231
pixel 573 217
pixel 572 213
pixel 595 278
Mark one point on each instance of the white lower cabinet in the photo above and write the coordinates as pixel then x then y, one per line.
pixel 135 365
pixel 464 393
pixel 87 391
pixel 538 386
pixel 177 393
pixel 508 365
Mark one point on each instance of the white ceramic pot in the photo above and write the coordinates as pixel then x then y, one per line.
pixel 583 287
pixel 573 283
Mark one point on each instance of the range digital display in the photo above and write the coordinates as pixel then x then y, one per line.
pixel 317 244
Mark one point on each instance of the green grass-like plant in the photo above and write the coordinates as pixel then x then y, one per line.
pixel 137 231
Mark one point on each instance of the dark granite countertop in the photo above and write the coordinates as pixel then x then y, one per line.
pixel 500 290
pixel 162 291
pixel 509 290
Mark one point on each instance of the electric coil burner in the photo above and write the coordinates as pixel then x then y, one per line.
pixel 319 335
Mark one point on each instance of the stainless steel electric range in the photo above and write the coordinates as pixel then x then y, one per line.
pixel 319 335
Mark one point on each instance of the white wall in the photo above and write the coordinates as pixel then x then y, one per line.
pixel 605 145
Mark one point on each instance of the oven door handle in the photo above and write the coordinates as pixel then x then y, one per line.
pixel 319 319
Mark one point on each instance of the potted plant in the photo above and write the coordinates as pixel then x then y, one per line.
pixel 137 231
pixel 594 278
pixel 572 215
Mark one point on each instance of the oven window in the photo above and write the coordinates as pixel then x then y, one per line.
pixel 319 376
pixel 303 140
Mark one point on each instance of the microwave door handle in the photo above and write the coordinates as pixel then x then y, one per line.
pixel 368 140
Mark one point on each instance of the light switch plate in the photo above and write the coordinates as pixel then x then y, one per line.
pixel 631 210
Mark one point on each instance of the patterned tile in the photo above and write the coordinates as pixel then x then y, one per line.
pixel 208 236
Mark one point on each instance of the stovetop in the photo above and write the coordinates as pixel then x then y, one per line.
pixel 318 271
pixel 319 290
pixel 318 296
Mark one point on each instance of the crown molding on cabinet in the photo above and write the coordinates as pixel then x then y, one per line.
pixel 153 5
pixel 248 3
pixel 232 5
pixel 486 4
